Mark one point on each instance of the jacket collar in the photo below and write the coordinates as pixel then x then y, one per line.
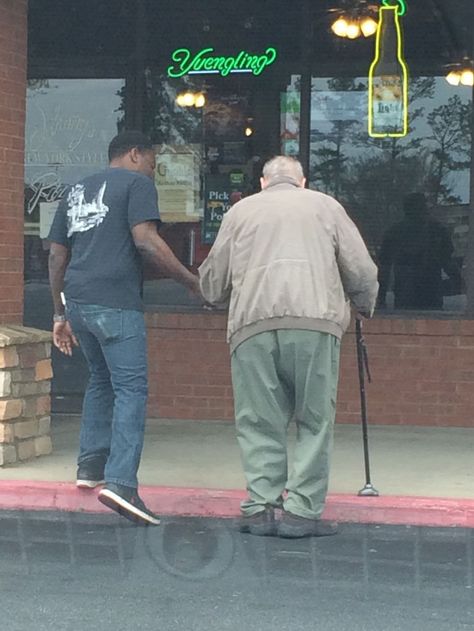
pixel 283 181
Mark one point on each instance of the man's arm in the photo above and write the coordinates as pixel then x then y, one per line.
pixel 446 255
pixel 152 248
pixel 57 263
pixel 63 337
pixel 356 267
pixel 215 272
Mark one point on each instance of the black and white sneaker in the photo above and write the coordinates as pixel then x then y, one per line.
pixel 126 502
pixel 90 474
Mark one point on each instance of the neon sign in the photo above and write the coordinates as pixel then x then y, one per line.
pixel 204 62
pixel 388 79
pixel 402 8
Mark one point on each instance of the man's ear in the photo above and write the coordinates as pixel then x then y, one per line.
pixel 133 153
pixel 303 182
pixel 263 183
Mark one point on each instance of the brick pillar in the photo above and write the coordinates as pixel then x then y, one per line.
pixel 13 49
pixel 25 402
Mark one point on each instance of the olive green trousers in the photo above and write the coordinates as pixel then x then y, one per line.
pixel 279 376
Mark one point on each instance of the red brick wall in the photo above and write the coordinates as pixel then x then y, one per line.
pixel 189 366
pixel 423 371
pixel 13 43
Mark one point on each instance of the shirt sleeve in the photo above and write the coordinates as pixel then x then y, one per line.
pixel 59 227
pixel 142 202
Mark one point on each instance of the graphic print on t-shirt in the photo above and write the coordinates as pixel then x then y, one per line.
pixel 83 216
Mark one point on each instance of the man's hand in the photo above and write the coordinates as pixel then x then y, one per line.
pixel 63 337
pixel 194 287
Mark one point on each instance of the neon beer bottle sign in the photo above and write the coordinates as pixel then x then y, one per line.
pixel 388 79
pixel 205 62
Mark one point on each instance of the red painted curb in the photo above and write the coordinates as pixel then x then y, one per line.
pixel 415 511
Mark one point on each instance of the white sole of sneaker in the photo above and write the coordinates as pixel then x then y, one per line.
pixel 89 484
pixel 124 508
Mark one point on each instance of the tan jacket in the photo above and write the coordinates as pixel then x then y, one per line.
pixel 288 258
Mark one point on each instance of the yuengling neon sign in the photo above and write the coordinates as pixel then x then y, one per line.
pixel 205 62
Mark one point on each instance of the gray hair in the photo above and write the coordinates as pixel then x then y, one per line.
pixel 283 167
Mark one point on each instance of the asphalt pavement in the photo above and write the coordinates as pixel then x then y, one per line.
pixel 76 572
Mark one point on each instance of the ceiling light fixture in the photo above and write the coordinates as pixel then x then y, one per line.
pixel 461 73
pixel 361 19
pixel 191 99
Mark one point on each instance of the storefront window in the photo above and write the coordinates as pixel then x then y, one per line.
pixel 208 137
pixel 69 123
pixel 372 177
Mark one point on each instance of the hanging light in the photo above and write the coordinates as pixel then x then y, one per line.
pixel 191 99
pixel 453 78
pixel 248 132
pixel 360 20
pixel 200 100
pixel 368 26
pixel 467 77
pixel 188 99
pixel 461 73
pixel 339 27
pixel 353 30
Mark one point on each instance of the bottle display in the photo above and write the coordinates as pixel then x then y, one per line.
pixel 388 79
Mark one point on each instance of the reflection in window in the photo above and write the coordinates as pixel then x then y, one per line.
pixel 371 177
pixel 69 124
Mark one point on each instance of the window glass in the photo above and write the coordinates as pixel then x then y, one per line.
pixel 69 124
pixel 372 178
pixel 290 108
pixel 209 133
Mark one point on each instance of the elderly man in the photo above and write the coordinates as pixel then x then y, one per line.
pixel 288 258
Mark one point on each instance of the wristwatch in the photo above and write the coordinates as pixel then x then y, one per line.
pixel 59 317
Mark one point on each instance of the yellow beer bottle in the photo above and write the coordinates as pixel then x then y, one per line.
pixel 388 80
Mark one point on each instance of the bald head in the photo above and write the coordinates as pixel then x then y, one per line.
pixel 282 168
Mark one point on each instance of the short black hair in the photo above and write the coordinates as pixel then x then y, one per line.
pixel 127 140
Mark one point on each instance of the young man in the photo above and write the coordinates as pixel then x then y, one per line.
pixel 287 258
pixel 103 228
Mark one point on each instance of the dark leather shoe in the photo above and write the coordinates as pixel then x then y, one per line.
pixel 262 524
pixel 294 527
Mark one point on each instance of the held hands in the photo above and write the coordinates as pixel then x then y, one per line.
pixel 195 289
pixel 63 337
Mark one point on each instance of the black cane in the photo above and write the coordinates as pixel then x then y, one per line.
pixel 363 365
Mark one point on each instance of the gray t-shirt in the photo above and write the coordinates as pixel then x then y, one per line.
pixel 94 221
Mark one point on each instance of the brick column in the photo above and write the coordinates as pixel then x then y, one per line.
pixel 25 402
pixel 13 52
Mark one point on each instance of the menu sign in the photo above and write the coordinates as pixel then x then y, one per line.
pixel 217 202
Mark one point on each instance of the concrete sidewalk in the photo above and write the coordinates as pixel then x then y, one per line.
pixel 412 461
pixel 197 457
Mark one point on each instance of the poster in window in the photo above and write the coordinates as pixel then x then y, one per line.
pixel 290 123
pixel 177 178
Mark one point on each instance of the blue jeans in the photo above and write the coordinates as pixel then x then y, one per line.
pixel 114 409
